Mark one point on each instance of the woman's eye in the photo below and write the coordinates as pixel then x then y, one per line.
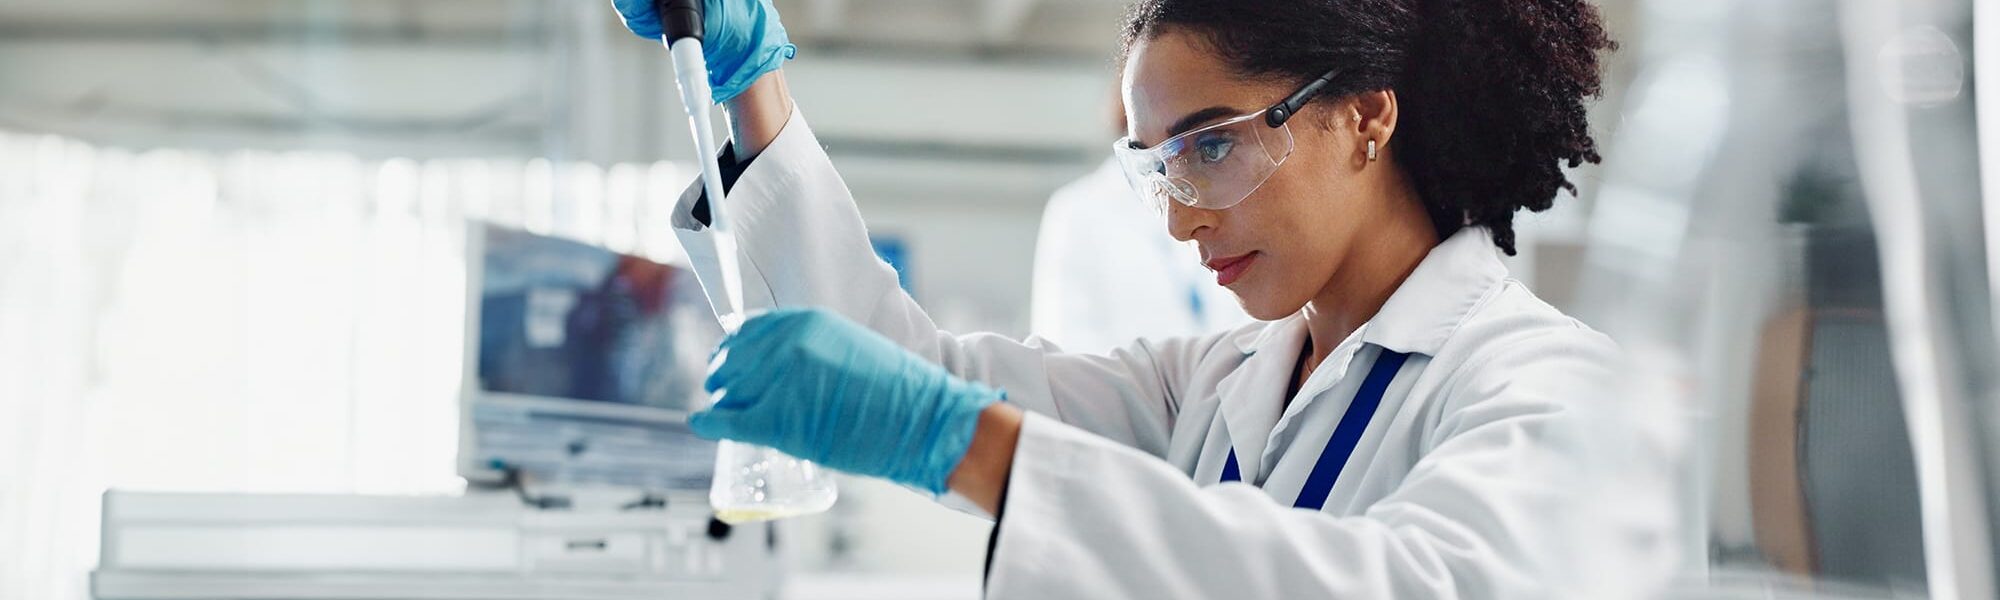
pixel 1214 149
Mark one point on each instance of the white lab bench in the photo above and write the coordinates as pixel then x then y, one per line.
pixel 160 546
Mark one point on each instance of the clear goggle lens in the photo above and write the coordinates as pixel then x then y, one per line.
pixel 1214 167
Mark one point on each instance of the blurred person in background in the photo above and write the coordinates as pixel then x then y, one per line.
pixel 1105 275
pixel 1407 422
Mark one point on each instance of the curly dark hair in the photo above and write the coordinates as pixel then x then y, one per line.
pixel 1491 92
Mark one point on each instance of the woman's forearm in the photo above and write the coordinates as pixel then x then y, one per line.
pixel 758 114
pixel 982 474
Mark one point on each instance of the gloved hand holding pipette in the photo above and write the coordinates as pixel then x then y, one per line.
pixel 719 49
pixel 742 40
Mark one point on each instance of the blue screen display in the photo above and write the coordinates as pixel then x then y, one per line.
pixel 576 344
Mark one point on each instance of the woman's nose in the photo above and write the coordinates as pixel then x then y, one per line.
pixel 1184 222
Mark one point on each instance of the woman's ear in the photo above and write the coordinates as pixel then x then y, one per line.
pixel 1373 119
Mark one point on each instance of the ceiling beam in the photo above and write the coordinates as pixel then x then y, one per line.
pixel 1000 21
pixel 826 16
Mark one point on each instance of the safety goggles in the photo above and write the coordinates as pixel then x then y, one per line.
pixel 1216 166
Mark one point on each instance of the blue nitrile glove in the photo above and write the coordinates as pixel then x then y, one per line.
pixel 820 387
pixel 742 39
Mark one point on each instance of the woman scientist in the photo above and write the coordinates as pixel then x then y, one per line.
pixel 1350 170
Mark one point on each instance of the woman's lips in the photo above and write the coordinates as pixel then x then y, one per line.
pixel 1228 270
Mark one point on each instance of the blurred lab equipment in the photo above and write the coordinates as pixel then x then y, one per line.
pixel 194 546
pixel 1787 235
pixel 581 365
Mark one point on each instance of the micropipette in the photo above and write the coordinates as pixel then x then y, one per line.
pixel 680 22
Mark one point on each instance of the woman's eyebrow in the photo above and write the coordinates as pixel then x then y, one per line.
pixel 1199 117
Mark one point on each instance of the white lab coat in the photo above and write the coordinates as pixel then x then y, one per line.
pixel 1457 488
pixel 1107 273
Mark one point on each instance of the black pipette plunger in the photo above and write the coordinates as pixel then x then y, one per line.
pixel 680 19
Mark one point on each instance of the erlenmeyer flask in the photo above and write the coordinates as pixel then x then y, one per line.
pixel 755 483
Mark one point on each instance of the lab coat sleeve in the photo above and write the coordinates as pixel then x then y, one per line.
pixel 802 243
pixel 1477 517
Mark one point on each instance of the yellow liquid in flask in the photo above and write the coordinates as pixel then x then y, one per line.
pixel 754 483
pixel 739 516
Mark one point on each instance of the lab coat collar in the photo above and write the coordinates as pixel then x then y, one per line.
pixel 1439 295
pixel 1424 311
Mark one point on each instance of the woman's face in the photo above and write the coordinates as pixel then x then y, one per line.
pixel 1282 245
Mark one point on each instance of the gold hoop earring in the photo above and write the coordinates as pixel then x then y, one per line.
pixel 1371 151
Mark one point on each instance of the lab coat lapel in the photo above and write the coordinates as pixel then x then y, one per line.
pixel 1253 394
pixel 1441 293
